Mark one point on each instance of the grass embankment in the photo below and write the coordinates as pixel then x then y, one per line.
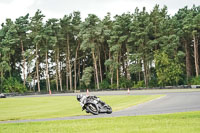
pixel 59 106
pixel 169 123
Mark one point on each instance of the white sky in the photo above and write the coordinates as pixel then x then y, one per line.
pixel 58 8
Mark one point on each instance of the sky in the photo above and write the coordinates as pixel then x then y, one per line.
pixel 58 8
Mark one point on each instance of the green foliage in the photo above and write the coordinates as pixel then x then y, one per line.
pixel 125 83
pixel 13 85
pixel 87 75
pixel 123 45
pixel 195 81
pixel 153 82
pixel 104 84
pixel 113 86
pixel 169 71
pixel 139 84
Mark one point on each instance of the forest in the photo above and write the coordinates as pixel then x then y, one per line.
pixel 132 50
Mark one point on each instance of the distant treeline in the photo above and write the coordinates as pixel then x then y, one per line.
pixel 140 49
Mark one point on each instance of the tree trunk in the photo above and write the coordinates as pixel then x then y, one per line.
pixel 196 55
pixel 145 72
pixel 95 66
pixel 188 60
pixel 111 70
pixel 75 76
pixel 100 70
pixel 1 81
pixel 117 72
pixel 34 82
pixel 128 72
pixel 111 79
pixel 117 78
pixel 95 81
pixel 79 72
pixel 139 73
pixel 56 71
pixel 106 69
pixel 123 66
pixel 67 71
pixel 37 68
pixel 24 61
pixel 9 62
pixel 60 76
pixel 28 72
pixel 127 67
pixel 47 73
pixel 58 67
pixel 69 64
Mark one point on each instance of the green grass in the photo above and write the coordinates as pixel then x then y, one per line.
pixel 59 106
pixel 188 122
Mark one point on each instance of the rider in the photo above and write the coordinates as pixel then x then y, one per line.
pixel 81 99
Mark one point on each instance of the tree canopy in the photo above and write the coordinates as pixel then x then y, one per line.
pixel 138 49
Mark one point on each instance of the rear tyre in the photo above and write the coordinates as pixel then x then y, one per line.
pixel 92 109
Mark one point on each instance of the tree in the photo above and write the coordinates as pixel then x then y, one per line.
pixel 169 71
pixel 4 66
pixel 49 41
pixel 140 31
pixel 181 24
pixel 66 25
pixel 22 29
pixel 90 31
pixel 140 47
pixel 56 39
pixel 36 27
pixel 7 34
pixel 76 21
pixel 195 35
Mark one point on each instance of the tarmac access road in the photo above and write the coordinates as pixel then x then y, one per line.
pixel 180 100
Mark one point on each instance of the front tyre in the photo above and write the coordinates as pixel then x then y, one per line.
pixel 109 109
pixel 92 109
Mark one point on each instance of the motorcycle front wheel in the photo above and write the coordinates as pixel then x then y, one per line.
pixel 109 109
pixel 92 109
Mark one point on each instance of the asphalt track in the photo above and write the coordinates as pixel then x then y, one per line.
pixel 173 101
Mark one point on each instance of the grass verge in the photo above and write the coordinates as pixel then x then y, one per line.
pixel 59 106
pixel 187 122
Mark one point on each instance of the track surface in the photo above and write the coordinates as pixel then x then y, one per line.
pixel 173 101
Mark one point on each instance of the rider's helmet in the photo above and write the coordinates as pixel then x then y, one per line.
pixel 79 97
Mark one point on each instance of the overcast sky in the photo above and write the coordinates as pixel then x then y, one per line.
pixel 58 8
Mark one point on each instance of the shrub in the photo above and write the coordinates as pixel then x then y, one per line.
pixel 195 81
pixel 125 83
pixel 113 86
pixel 153 82
pixel 139 84
pixel 104 84
pixel 13 85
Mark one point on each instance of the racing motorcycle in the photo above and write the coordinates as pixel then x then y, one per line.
pixel 2 95
pixel 93 105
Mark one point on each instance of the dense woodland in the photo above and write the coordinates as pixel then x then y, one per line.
pixel 135 49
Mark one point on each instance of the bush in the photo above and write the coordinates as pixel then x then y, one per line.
pixel 153 82
pixel 104 85
pixel 139 84
pixel 125 83
pixel 195 81
pixel 13 85
pixel 113 86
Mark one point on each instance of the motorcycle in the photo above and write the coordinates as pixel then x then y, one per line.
pixel 2 95
pixel 93 105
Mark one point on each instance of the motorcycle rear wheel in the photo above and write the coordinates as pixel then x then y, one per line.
pixel 92 109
